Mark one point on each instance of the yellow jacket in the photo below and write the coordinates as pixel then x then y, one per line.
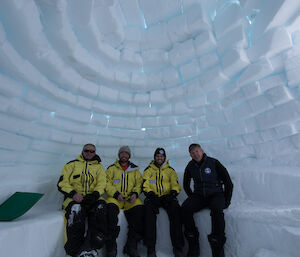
pixel 124 182
pixel 83 177
pixel 160 180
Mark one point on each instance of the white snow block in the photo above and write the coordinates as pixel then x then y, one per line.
pixel 132 13
pixel 74 114
pixel 234 61
pixel 204 42
pixel 197 101
pixel 157 97
pixel 228 19
pixel 146 111
pixel 292 66
pixel 141 99
pixel 182 52
pixel 170 77
pixel 241 111
pixel 275 15
pixel 124 123
pixel 155 11
pixel 157 133
pixel 252 89
pixel 181 108
pixel 109 109
pixel 182 131
pixel 156 37
pixel 209 133
pixel 81 139
pixel 255 71
pixel 23 110
pixel 216 119
pixel 125 98
pixel 138 81
pixel 190 70
pixel 271 44
pixel 154 59
pixel 177 29
pixel 129 57
pixel 100 120
pixel 108 94
pixel 208 60
pixel 23 127
pixel 252 138
pixel 149 122
pixel 194 88
pixel 260 104
pixel 60 136
pixel 278 115
pixel 9 87
pixel 84 102
pixel 12 141
pixel 213 79
pixel 278 95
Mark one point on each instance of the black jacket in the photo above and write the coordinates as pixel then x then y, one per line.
pixel 209 177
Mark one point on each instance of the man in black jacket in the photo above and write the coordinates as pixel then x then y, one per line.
pixel 212 189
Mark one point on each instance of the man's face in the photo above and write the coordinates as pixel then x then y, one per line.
pixel 89 152
pixel 159 159
pixel 124 157
pixel 196 154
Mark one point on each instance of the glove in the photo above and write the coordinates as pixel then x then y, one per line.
pixel 153 198
pixel 170 197
pixel 91 198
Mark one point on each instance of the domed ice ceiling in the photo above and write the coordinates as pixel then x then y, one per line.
pixel 147 74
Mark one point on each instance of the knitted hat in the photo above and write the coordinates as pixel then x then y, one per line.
pixel 160 151
pixel 126 149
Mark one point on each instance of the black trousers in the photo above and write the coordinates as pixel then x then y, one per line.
pixel 78 237
pixel 134 217
pixel 172 208
pixel 195 203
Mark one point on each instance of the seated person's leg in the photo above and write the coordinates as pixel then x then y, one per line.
pixel 112 227
pixel 97 224
pixel 74 228
pixel 134 214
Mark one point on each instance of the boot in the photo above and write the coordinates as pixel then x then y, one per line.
pixel 216 243
pixel 193 241
pixel 130 248
pixel 178 252
pixel 151 252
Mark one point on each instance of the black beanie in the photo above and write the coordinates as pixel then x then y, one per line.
pixel 160 151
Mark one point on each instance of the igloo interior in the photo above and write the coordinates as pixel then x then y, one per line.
pixel 168 73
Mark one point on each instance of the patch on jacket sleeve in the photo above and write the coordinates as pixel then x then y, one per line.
pixel 152 181
pixel 116 181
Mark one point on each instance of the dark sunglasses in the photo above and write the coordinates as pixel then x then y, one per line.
pixel 88 151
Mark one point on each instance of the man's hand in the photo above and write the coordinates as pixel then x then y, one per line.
pixel 78 198
pixel 132 198
pixel 121 198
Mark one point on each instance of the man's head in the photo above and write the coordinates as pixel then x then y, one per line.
pixel 196 152
pixel 89 151
pixel 124 154
pixel 159 156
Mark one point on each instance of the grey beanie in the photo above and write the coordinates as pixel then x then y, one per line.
pixel 126 149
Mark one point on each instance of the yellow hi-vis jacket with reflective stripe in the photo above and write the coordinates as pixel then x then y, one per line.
pixel 125 182
pixel 83 177
pixel 160 180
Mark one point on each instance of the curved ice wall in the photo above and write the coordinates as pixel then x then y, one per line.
pixel 146 74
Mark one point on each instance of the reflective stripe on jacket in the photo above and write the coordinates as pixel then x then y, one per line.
pixel 160 180
pixel 125 182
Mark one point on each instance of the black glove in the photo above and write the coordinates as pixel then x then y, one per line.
pixel 169 197
pixel 91 198
pixel 153 198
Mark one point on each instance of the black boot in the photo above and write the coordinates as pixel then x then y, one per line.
pixel 178 252
pixel 151 252
pixel 111 243
pixel 130 248
pixel 193 241
pixel 216 243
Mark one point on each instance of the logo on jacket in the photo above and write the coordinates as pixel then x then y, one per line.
pixel 116 181
pixel 207 170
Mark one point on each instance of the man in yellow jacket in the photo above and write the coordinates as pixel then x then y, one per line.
pixel 124 183
pixel 161 189
pixel 82 182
